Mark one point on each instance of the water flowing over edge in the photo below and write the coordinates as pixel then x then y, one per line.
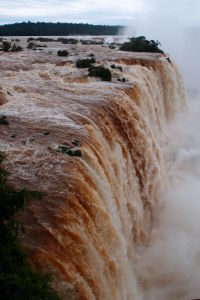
pixel 100 208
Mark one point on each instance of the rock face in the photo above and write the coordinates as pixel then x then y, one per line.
pixel 99 204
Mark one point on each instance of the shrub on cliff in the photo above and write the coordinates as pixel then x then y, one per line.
pixel 70 151
pixel 4 120
pixel 16 48
pixel 91 42
pixel 6 46
pixel 85 63
pixel 116 67
pixel 67 41
pixel 141 44
pixel 62 53
pixel 100 71
pixel 17 280
pixel 31 45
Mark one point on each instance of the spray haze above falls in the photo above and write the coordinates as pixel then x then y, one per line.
pixel 117 162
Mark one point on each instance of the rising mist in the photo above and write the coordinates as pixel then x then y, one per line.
pixel 168 268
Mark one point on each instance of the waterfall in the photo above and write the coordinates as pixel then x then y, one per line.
pixel 99 209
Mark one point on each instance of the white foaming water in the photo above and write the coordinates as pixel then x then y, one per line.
pixel 169 267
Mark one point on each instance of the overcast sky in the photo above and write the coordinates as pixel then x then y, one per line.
pixel 122 12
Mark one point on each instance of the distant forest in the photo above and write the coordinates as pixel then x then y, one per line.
pixel 56 29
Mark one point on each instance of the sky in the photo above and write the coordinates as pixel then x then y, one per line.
pixel 114 12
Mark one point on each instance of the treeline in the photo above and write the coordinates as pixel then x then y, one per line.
pixel 56 29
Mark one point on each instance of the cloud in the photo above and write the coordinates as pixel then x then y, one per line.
pixel 112 11
pixel 184 12
pixel 74 10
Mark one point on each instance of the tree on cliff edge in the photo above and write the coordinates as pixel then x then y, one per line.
pixel 141 44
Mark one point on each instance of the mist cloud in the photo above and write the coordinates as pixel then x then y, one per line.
pixel 169 267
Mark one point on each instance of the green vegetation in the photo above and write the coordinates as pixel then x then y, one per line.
pixel 60 40
pixel 116 67
pixel 46 133
pixel 17 280
pixel 62 53
pixel 40 39
pixel 57 29
pixel 41 45
pixel 141 44
pixel 16 48
pixel 112 46
pixel 67 41
pixel 70 151
pixel 100 71
pixel 31 45
pixel 91 42
pixel 4 120
pixel 8 47
pixel 121 79
pixel 85 63
pixel 169 60
pixel 76 143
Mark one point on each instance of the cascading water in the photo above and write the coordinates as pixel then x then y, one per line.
pixel 99 209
